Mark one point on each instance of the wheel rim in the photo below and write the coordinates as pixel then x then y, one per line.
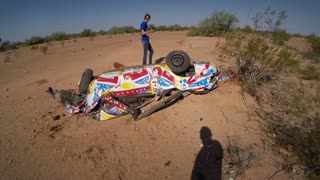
pixel 177 60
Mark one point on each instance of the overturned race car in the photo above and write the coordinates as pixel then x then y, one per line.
pixel 129 89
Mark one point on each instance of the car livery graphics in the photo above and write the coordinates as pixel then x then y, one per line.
pixel 150 79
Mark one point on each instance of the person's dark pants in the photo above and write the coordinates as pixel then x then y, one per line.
pixel 147 46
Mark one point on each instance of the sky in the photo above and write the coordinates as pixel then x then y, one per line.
pixel 22 19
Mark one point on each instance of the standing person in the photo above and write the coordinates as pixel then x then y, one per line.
pixel 145 39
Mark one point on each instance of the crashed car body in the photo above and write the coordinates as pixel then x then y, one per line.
pixel 126 90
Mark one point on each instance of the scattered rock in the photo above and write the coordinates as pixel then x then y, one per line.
pixel 201 119
pixel 54 129
pixel 34 119
pixel 43 116
pixel 167 163
pixel 27 98
pixel 244 155
pixel 55 117
pixel 5 89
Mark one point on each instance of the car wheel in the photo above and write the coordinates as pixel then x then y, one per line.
pixel 85 81
pixel 178 61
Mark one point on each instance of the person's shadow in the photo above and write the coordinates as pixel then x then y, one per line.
pixel 208 162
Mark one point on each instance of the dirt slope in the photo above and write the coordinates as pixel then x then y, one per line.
pixel 162 146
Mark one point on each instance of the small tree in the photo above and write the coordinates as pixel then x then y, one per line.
pixel 221 21
pixel 151 26
pixel 87 33
pixel 102 32
pixel 218 23
pixel 270 21
pixel 35 40
pixel 59 36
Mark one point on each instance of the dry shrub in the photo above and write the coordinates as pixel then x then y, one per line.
pixel 294 125
pixel 34 47
pixel 310 73
pixel 237 159
pixel 44 49
pixel 257 60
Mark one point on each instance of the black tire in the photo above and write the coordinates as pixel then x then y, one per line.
pixel 85 81
pixel 178 61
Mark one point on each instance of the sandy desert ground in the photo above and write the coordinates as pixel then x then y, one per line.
pixel 161 146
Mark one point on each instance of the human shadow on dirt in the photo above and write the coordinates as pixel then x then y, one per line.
pixel 208 162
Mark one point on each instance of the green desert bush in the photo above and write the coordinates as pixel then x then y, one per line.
pixel 315 47
pixel 122 30
pixel 177 27
pixel 59 36
pixel 310 73
pixel 286 60
pixel 7 45
pixel 257 60
pixel 162 28
pixel 87 33
pixel 151 26
pixel 102 32
pixel 195 31
pixel 298 35
pixel 217 24
pixel 247 29
pixel 35 40
pixel 280 36
pixel 294 125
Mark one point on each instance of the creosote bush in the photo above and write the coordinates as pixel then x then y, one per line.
pixel 315 47
pixel 310 73
pixel 294 124
pixel 257 60
pixel 219 23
